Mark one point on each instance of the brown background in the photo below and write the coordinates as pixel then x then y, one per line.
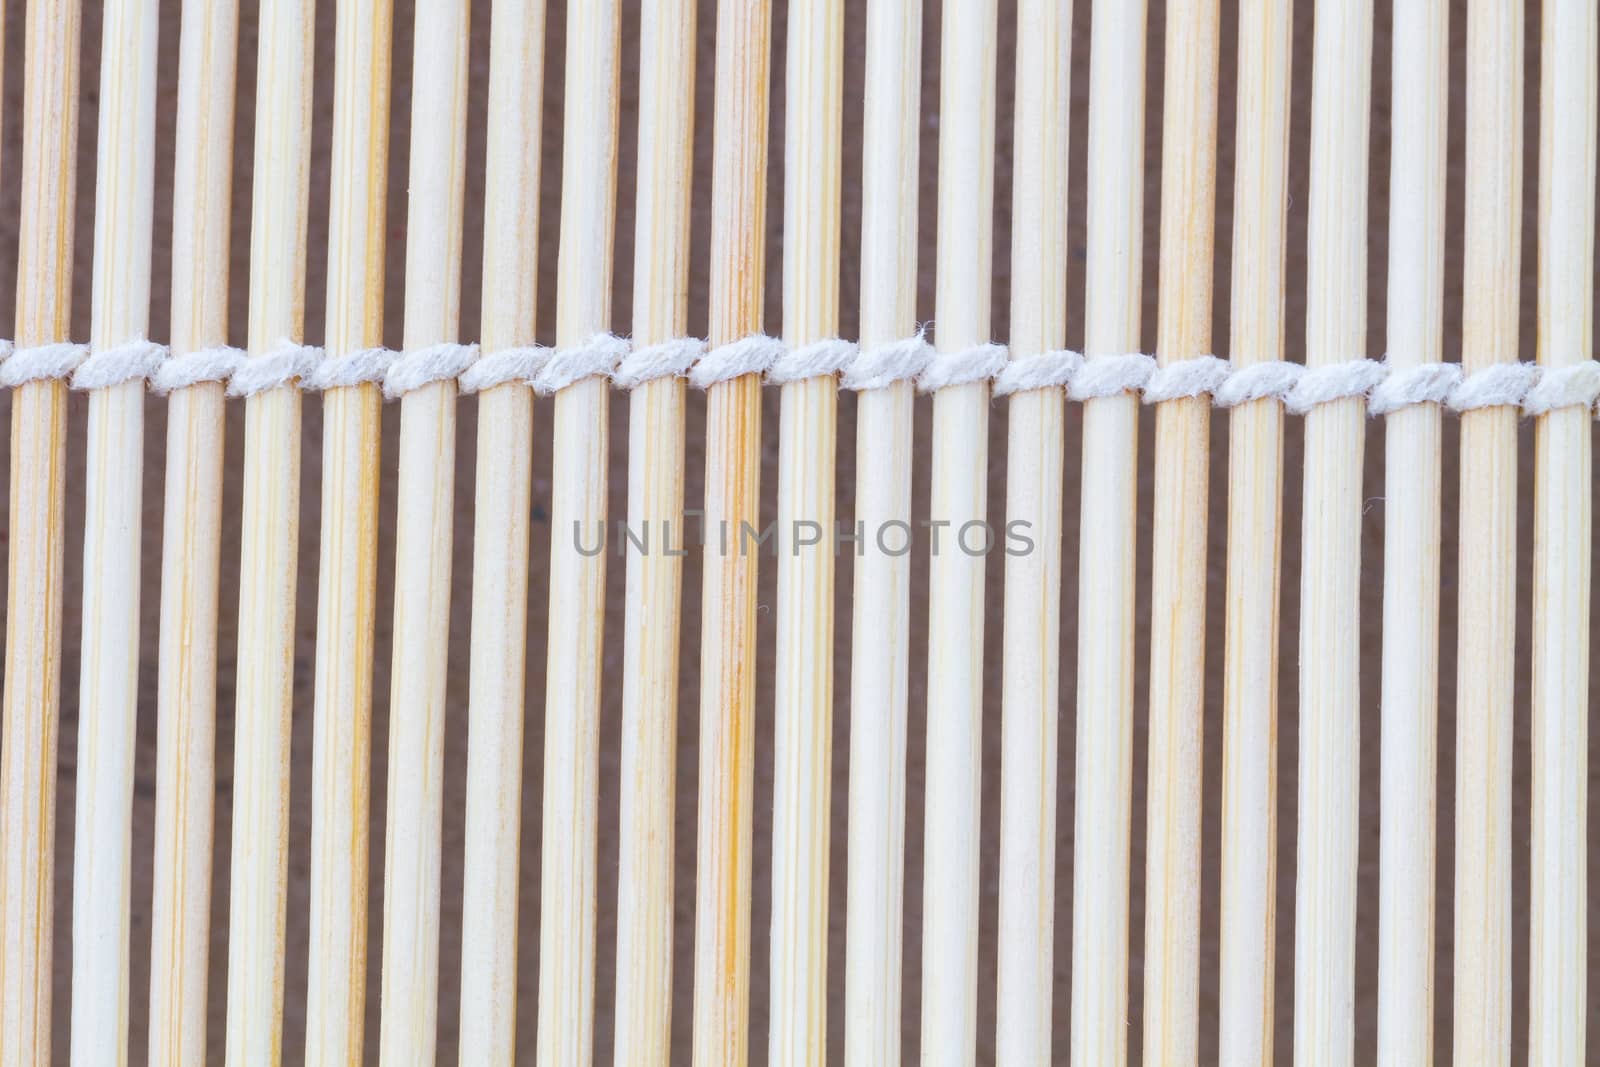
pixel 1373 519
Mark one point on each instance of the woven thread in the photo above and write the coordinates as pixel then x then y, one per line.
pixel 1534 389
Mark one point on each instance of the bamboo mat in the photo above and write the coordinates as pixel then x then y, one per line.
pixel 455 742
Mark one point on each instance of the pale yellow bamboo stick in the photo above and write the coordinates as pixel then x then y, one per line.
pixel 807 431
pixel 1255 545
pixel 108 688
pixel 423 526
pixel 191 540
pixel 1178 568
pixel 880 627
pixel 732 502
pixel 1101 839
pixel 341 760
pixel 35 535
pixel 1488 531
pixel 655 514
pixel 1035 457
pixel 578 515
pixel 1562 540
pixel 1407 807
pixel 1330 578
pixel 500 542
pixel 956 575
pixel 268 547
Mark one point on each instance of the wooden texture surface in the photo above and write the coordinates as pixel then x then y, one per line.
pixel 1408 804
pixel 36 544
pixel 336 980
pixel 1563 542
pixel 1107 544
pixel 496 700
pixel 880 622
pixel 1247 976
pixel 191 543
pixel 114 486
pixel 1035 460
pixel 732 498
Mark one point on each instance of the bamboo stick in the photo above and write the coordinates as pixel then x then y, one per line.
pixel 1035 457
pixel 578 509
pixel 186 712
pixel 1488 524
pixel 1107 542
pixel 114 477
pixel 655 512
pixel 1563 540
pixel 956 576
pixel 35 535
pixel 268 547
pixel 732 503
pixel 1335 438
pixel 341 760
pixel 423 526
pixel 807 431
pixel 1255 544
pixel 1406 862
pixel 880 627
pixel 500 542
pixel 1178 600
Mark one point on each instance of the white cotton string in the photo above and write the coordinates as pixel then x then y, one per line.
pixel 815 360
pixel 902 360
pixel 1102 376
pixel 131 361
pixel 1497 385
pixel 598 356
pixel 191 368
pixel 1257 381
pixel 1575 385
pixel 521 363
pixel 1334 381
pixel 1042 370
pixel 1183 378
pixel 1422 383
pixel 41 363
pixel 362 367
pixel 279 366
pixel 748 355
pixel 668 359
pixel 412 370
pixel 979 363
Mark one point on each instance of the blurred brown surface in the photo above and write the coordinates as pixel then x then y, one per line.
pixel 1365 1003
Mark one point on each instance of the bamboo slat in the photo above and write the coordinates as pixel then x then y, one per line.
pixel 732 501
pixel 880 621
pixel 114 482
pixel 956 576
pixel 1174 797
pixel 578 512
pixel 654 587
pixel 1485 659
pixel 35 538
pixel 1563 541
pixel 425 507
pixel 1409 775
pixel 807 433
pixel 341 760
pixel 489 941
pixel 268 548
pixel 1035 463
pixel 1255 544
pixel 1107 542
pixel 191 540
pixel 1335 438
